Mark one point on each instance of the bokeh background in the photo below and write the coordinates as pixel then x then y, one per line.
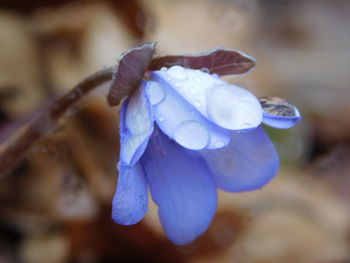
pixel 55 206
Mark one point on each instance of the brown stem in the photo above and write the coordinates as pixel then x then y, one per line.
pixel 46 121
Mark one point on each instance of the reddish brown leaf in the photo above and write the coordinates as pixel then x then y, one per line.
pixel 221 61
pixel 132 67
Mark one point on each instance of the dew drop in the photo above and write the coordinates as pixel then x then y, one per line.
pixel 233 108
pixel 192 135
pixel 205 70
pixel 161 118
pixel 155 92
pixel 197 79
pixel 179 85
pixel 219 144
pixel 139 129
pixel 197 103
pixel 177 73
pixel 278 107
pixel 243 130
pixel 194 90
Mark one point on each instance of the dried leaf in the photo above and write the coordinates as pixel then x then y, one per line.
pixel 132 67
pixel 221 61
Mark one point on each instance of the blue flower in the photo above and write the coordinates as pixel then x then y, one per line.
pixel 185 133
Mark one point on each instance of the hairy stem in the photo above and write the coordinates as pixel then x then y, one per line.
pixel 12 153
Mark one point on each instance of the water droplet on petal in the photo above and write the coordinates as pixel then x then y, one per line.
pixel 278 107
pixel 192 135
pixel 279 113
pixel 219 144
pixel 197 79
pixel 140 129
pixel 243 130
pixel 233 108
pixel 197 103
pixel 197 76
pixel 179 85
pixel 161 118
pixel 177 73
pixel 194 90
pixel 205 70
pixel 155 92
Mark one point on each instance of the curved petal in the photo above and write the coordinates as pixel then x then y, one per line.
pixel 182 122
pixel 233 108
pixel 136 126
pixel 279 113
pixel 248 163
pixel 155 92
pixel 130 202
pixel 228 106
pixel 181 186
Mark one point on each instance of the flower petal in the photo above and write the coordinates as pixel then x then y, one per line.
pixel 130 202
pixel 182 187
pixel 182 122
pixel 248 163
pixel 136 126
pixel 191 84
pixel 155 92
pixel 233 108
pixel 228 106
pixel 279 113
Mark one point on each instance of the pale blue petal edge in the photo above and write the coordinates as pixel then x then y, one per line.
pixel 248 163
pixel 281 122
pixel 136 126
pixel 181 186
pixel 130 202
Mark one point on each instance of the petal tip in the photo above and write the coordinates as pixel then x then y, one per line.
pixel 279 113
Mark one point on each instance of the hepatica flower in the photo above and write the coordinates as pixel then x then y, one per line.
pixel 186 133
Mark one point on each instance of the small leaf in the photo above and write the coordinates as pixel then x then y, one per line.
pixel 132 66
pixel 221 61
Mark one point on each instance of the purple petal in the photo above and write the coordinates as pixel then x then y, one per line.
pixel 130 202
pixel 248 163
pixel 279 113
pixel 228 106
pixel 182 187
pixel 136 126
pixel 182 122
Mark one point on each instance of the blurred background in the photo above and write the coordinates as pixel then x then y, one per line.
pixel 56 205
